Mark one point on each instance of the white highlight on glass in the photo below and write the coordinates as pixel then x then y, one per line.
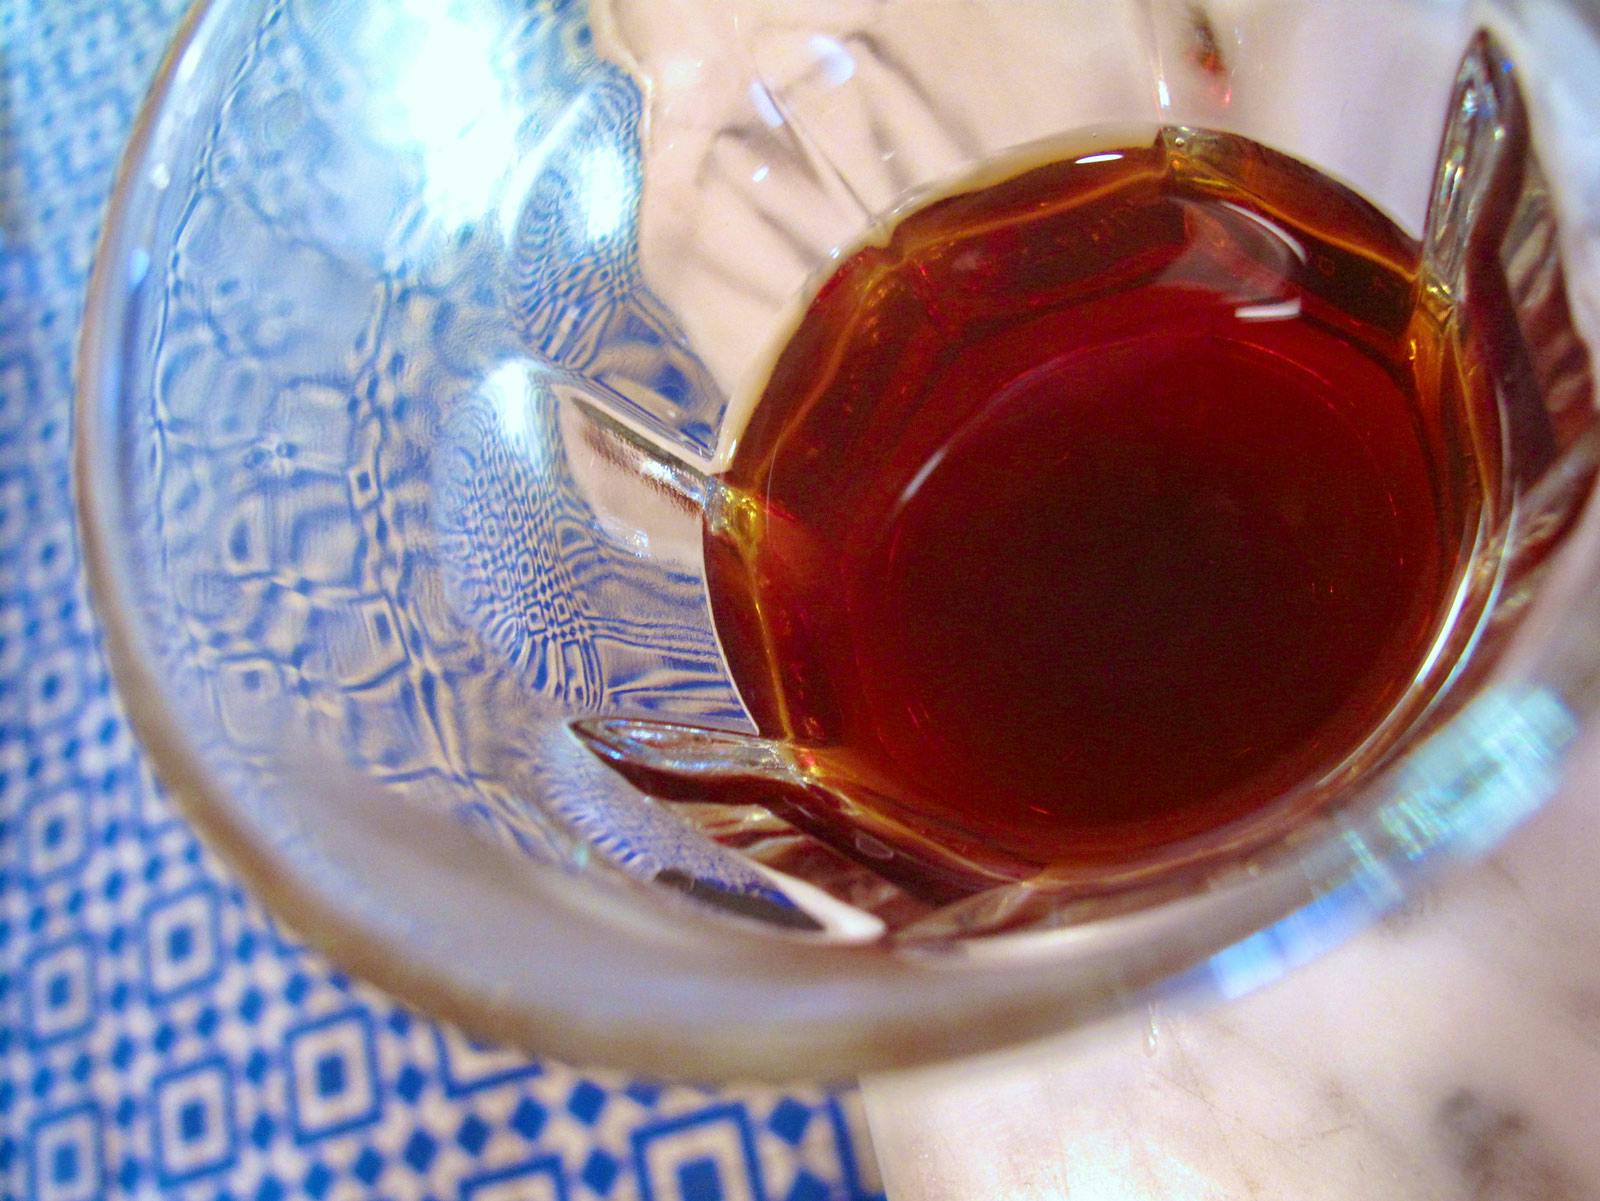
pixel 766 106
pixel 138 267
pixel 606 192
pixel 447 95
pixel 509 389
pixel 520 180
pixel 838 65
pixel 1272 227
pixel 1279 310
pixel 680 73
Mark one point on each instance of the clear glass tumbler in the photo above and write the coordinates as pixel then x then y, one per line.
pixel 420 330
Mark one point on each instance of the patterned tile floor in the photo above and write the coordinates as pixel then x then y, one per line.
pixel 158 1036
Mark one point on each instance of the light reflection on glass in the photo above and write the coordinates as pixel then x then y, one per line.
pixel 838 65
pixel 1477 779
pixel 607 192
pixel 510 391
pixel 1278 310
pixel 1459 795
pixel 525 170
pixel 766 107
pixel 447 96
pixel 1272 227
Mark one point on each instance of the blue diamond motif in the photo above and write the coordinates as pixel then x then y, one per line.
pixel 64 1151
pixel 409 1083
pixel 643 1092
pixel 368 1166
pixel 181 942
pixel 55 832
pixel 600 1171
pixel 473 1135
pixel 333 1075
pixel 699 1156
pixel 419 1150
pixel 192 1117
pixel 528 1118
pixel 57 987
pixel 330 1075
pixel 699 1180
pixel 64 1164
pixel 789 1120
pixel 255 1068
pixel 586 1101
pixel 317 1181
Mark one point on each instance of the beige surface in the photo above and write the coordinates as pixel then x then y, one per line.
pixel 1452 1052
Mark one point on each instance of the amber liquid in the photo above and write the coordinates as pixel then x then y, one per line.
pixel 1091 512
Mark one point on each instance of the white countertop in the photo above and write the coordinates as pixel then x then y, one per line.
pixel 1450 1052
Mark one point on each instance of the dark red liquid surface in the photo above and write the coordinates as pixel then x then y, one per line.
pixel 1095 510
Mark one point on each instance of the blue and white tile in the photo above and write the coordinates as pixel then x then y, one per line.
pixel 195 1131
pixel 65 1157
pixel 160 1037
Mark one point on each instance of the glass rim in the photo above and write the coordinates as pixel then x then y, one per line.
pixel 761 1004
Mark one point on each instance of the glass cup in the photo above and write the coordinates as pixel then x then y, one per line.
pixel 419 333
